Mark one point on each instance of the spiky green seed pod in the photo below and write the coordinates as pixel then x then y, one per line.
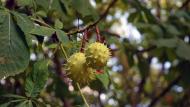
pixel 77 69
pixel 85 76
pixel 97 55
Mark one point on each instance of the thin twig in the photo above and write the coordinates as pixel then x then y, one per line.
pixel 64 52
pixel 87 105
pixel 94 23
pixel 185 4
pixel 107 32
pixel 158 9
pixel 84 39
pixel 87 27
pixel 167 89
pixel 145 50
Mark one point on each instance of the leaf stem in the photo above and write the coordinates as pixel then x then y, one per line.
pixel 41 22
pixel 98 36
pixel 84 99
pixel 64 52
pixel 84 39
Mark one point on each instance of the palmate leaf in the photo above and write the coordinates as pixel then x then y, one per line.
pixel 14 53
pixel 36 80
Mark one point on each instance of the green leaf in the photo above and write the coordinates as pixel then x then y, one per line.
pixel 18 100
pixel 24 2
pixel 42 31
pixel 170 29
pixel 169 43
pixel 147 16
pixel 5 104
pixel 36 80
pixel 14 96
pixel 62 36
pixel 38 103
pixel 23 21
pixel 43 3
pixel 26 25
pixel 66 4
pixel 14 53
pixel 134 17
pixel 30 103
pixel 153 30
pixel 183 50
pixel 83 7
pixel 29 38
pixel 57 5
pixel 104 78
pixel 12 101
pixel 41 13
pixel 22 104
pixel 58 24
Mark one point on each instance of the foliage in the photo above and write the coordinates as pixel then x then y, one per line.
pixel 38 36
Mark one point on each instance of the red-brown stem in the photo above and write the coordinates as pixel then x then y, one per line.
pixel 84 39
pixel 98 37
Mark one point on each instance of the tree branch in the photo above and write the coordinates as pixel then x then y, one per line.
pixel 102 16
pixel 146 49
pixel 167 89
pixel 185 4
pixel 107 32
